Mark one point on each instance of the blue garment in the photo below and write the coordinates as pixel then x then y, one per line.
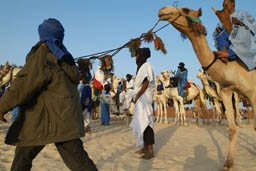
pixel 160 86
pixel 15 112
pixel 223 41
pixel 182 82
pixel 86 93
pixel 105 115
pixel 119 88
pixel 52 33
pixel 212 84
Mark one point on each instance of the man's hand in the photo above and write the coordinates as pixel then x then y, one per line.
pixel 236 21
pixel 221 54
pixel 218 29
pixel 2 117
pixel 225 60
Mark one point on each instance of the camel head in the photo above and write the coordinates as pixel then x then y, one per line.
pixel 165 74
pixel 183 19
pixel 201 74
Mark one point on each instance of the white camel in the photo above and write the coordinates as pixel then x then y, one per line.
pixel 214 98
pixel 231 76
pixel 161 99
pixel 172 93
pixel 194 93
pixel 7 75
pixel 123 107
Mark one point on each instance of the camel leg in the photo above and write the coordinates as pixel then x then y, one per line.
pixel 197 105
pixel 161 112
pixel 206 113
pixel 184 119
pixel 218 111
pixel 253 111
pixel 175 104
pixel 165 113
pixel 158 112
pixel 213 113
pixel 237 111
pixel 182 112
pixel 227 100
pixel 249 115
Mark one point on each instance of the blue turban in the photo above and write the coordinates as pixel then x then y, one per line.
pixel 52 33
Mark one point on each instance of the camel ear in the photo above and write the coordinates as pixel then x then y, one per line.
pixel 199 12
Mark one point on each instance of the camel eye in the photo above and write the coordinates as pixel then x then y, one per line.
pixel 186 10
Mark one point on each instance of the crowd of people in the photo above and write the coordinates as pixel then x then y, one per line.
pixel 52 102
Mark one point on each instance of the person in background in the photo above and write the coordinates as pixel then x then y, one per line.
pixel 182 75
pixel 86 102
pixel 80 86
pixel 142 122
pixel 130 82
pixel 45 89
pixel 105 114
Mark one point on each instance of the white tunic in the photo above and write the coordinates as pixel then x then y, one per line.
pixel 143 114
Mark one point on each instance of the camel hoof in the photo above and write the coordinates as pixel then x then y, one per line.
pixel 229 166
pixel 185 124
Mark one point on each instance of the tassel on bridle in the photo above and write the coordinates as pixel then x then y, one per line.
pixel 196 25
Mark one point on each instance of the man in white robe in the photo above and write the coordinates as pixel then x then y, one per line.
pixel 144 86
pixel 125 96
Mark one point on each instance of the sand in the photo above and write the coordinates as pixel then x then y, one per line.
pixel 177 148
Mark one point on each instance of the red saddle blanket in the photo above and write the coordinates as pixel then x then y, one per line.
pixel 187 86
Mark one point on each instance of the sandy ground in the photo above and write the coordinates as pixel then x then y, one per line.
pixel 177 148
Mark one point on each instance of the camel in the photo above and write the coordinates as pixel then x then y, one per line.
pixel 172 93
pixel 161 100
pixel 232 76
pixel 194 93
pixel 214 98
pixel 8 73
pixel 126 109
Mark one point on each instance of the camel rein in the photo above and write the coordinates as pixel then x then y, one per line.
pixel 208 66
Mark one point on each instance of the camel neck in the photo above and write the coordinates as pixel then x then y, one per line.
pixel 202 50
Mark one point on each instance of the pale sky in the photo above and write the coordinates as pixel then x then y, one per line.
pixel 93 26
